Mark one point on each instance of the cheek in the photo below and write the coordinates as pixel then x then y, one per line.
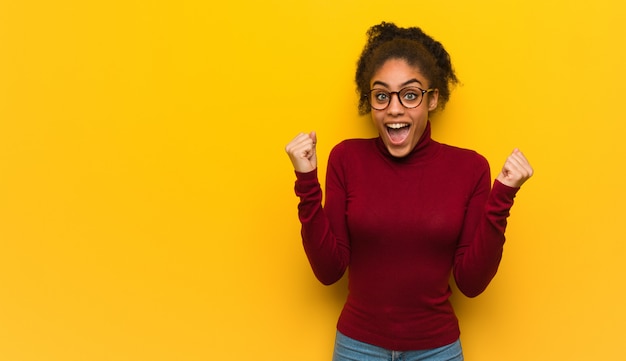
pixel 377 118
pixel 420 114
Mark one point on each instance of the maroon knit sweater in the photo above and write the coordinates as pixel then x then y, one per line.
pixel 402 226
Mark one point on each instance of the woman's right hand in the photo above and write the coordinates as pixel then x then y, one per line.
pixel 301 151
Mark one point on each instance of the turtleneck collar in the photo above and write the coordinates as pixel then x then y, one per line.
pixel 425 149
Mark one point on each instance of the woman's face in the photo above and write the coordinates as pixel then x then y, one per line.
pixel 401 128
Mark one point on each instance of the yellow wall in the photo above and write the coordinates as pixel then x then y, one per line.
pixel 146 203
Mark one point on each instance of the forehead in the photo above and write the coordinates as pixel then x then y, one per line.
pixel 397 72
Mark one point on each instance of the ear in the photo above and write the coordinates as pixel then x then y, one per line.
pixel 433 100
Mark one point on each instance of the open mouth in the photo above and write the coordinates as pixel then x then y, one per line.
pixel 398 132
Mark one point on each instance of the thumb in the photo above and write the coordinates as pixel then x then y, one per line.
pixel 313 157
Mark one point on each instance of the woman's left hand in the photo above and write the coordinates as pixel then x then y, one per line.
pixel 516 170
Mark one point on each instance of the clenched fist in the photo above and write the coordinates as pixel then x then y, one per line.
pixel 301 151
pixel 516 170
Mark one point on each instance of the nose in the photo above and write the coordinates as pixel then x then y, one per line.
pixel 395 107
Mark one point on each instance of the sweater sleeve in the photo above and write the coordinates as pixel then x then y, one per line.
pixel 482 240
pixel 328 253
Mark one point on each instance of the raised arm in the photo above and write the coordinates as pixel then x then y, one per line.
pixel 324 234
pixel 481 244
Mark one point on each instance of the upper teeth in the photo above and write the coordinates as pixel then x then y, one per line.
pixel 397 125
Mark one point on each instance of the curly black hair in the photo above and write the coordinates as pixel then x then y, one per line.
pixel 388 41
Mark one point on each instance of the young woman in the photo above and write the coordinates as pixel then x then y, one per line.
pixel 402 211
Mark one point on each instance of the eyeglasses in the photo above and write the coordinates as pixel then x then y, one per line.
pixel 409 97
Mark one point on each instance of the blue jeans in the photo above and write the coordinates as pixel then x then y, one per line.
pixel 348 349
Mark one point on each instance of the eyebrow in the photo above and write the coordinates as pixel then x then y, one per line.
pixel 378 82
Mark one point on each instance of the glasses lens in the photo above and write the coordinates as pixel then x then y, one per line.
pixel 410 97
pixel 379 99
